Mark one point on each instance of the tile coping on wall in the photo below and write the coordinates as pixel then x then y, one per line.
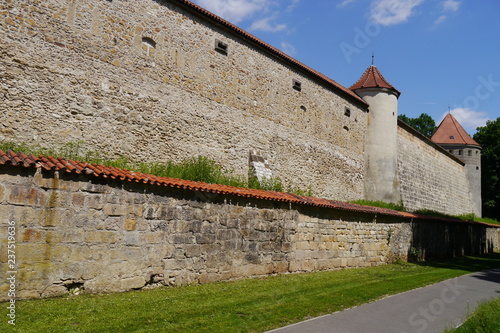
pixel 50 163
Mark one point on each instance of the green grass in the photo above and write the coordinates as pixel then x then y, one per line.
pixel 400 207
pixel 382 204
pixel 251 305
pixel 486 319
pixel 199 168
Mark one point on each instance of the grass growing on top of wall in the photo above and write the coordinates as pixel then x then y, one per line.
pixel 199 168
pixel 250 305
pixel 382 204
pixel 485 319
pixel 400 207
pixel 463 217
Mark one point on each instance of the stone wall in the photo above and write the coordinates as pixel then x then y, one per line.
pixel 429 177
pixel 143 79
pixel 105 235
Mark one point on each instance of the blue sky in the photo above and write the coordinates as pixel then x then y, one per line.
pixel 441 54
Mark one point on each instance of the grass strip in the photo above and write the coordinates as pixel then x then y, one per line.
pixel 250 305
pixel 486 319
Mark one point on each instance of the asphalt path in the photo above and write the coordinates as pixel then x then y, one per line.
pixel 433 308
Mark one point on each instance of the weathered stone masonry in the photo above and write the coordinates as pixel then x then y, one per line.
pixel 79 70
pixel 109 235
pixel 144 79
pixel 430 177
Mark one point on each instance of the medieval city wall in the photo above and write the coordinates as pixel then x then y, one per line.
pixel 429 178
pixel 142 79
pixel 106 235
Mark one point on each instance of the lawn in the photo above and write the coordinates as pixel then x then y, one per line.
pixel 486 319
pixel 250 305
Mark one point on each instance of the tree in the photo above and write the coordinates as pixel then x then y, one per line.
pixel 489 138
pixel 424 123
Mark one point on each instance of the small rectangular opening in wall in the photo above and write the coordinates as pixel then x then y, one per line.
pixel 347 112
pixel 221 47
pixel 470 152
pixel 460 152
pixel 297 85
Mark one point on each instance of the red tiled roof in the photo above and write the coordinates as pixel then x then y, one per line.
pixel 343 90
pixel 372 78
pixel 451 132
pixel 100 171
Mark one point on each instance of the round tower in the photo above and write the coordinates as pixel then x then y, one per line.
pixel 452 136
pixel 381 164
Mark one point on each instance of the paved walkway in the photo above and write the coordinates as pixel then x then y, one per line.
pixel 428 309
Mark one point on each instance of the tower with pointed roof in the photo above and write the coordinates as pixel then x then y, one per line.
pixel 452 136
pixel 381 173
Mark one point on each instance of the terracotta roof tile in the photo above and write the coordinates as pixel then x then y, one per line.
pixel 98 171
pixel 451 132
pixel 271 49
pixel 372 78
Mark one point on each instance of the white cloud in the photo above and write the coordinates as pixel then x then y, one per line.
pixel 288 48
pixel 265 24
pixel 451 5
pixel 234 10
pixel 469 119
pixel 440 19
pixel 390 12
pixel 292 5
pixel 345 3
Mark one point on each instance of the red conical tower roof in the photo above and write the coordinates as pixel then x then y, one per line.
pixel 451 132
pixel 372 78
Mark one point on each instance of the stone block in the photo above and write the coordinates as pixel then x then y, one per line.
pixel 184 238
pixel 103 284
pixel 131 238
pixel 113 223
pixel 28 196
pixel 151 212
pixel 2 192
pixel 152 237
pixel 135 211
pixel 192 250
pixel 109 237
pixel 205 238
pixel 92 269
pixel 22 215
pixel 135 282
pixel 32 235
pixel 115 209
pixel 33 252
pixel 95 188
pixel 280 267
pixel 78 199
pixel 28 294
pixel 228 234
pixel 95 201
pixel 210 277
pixel 54 290
pixel 52 217
pixel 174 264
pixel 181 226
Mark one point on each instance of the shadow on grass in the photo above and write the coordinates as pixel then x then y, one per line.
pixel 467 264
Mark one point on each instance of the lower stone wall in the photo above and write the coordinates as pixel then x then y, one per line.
pixel 114 236
pixel 429 179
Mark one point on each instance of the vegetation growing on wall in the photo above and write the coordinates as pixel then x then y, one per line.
pixel 382 204
pixel 400 207
pixel 199 168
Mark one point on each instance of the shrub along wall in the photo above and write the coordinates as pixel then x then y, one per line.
pixel 110 235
